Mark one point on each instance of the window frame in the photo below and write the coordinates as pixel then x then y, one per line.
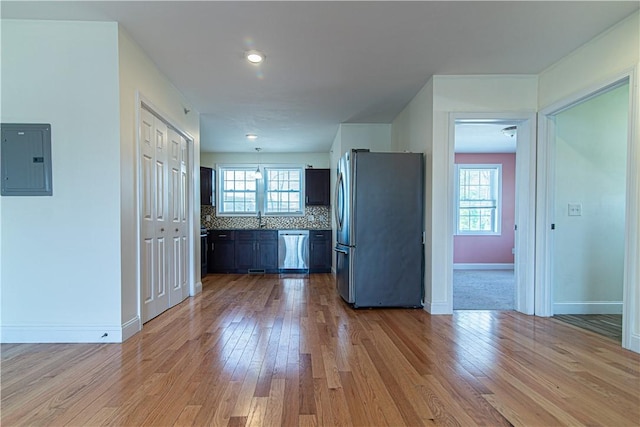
pixel 301 192
pixel 497 192
pixel 221 169
pixel 261 189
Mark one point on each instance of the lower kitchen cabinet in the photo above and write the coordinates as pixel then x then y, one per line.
pixel 320 251
pixel 221 257
pixel 256 250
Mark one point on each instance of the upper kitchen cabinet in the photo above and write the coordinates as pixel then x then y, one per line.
pixel 317 183
pixel 207 186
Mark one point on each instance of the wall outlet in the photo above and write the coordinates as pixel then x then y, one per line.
pixel 311 218
pixel 208 217
pixel 575 209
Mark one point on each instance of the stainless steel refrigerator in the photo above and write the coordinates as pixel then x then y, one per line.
pixel 379 229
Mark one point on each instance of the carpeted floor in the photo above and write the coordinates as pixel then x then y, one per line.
pixel 483 290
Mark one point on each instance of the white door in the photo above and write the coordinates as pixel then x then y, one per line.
pixel 154 218
pixel 178 156
pixel 163 210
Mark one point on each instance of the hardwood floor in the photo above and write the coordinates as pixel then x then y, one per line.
pixel 609 325
pixel 270 350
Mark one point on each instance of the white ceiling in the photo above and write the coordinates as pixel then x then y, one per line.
pixel 484 137
pixel 331 62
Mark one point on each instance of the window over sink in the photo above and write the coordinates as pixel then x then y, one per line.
pixel 278 191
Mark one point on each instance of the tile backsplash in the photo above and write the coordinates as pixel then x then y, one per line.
pixel 315 217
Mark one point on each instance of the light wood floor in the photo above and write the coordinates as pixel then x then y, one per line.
pixel 270 350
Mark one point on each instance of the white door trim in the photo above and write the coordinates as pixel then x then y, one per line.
pixel 525 200
pixel 193 231
pixel 545 179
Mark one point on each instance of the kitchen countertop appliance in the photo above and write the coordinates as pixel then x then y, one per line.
pixel 379 229
pixel 293 251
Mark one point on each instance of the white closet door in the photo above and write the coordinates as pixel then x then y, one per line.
pixel 178 218
pixel 155 216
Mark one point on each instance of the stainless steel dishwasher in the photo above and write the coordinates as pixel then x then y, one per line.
pixel 293 251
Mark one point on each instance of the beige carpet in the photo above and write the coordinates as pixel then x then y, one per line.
pixel 483 290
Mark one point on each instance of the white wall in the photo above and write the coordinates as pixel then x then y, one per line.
pixel 424 126
pixel 317 160
pixel 61 254
pixel 140 77
pixel 463 94
pixel 590 170
pixel 412 130
pixel 609 54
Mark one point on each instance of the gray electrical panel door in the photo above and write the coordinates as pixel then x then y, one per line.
pixel 26 159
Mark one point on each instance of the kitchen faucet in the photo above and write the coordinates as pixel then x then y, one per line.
pixel 260 224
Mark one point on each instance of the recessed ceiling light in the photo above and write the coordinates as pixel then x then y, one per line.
pixel 252 136
pixel 254 56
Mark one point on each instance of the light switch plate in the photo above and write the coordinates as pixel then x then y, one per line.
pixel 575 209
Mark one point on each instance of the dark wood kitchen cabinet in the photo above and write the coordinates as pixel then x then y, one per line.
pixel 317 187
pixel 207 182
pixel 320 251
pixel 221 256
pixel 256 250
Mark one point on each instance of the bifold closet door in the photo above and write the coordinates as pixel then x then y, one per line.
pixel 178 190
pixel 155 222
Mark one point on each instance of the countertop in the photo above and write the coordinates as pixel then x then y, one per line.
pixel 273 229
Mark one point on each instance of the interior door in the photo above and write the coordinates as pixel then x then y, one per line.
pixel 154 216
pixel 177 254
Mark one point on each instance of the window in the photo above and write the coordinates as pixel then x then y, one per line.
pixel 479 206
pixel 279 192
pixel 283 190
pixel 238 190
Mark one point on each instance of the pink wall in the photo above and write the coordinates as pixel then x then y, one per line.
pixel 491 249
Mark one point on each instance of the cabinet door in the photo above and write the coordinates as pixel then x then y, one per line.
pixel 317 183
pixel 206 186
pixel 245 250
pixel 320 251
pixel 221 251
pixel 223 257
pixel 268 255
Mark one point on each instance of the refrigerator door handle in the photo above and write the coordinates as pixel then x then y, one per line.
pixel 339 216
pixel 342 251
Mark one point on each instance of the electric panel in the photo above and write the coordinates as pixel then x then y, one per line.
pixel 26 159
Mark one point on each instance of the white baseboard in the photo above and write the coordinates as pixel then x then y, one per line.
pixel 634 343
pixel 437 308
pixel 131 328
pixel 61 334
pixel 595 307
pixel 198 289
pixel 505 266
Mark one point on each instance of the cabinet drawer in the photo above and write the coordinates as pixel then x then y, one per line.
pixel 267 235
pixel 221 235
pixel 317 235
pixel 245 235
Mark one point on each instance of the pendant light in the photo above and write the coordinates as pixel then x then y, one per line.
pixel 258 173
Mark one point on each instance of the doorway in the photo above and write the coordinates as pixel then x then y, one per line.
pixel 586 216
pixel 493 243
pixel 484 239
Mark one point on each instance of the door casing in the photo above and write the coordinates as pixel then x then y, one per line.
pixel 544 218
pixel 525 201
